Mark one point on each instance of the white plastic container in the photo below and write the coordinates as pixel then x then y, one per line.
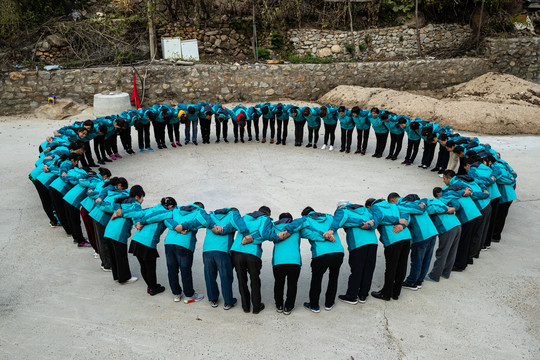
pixel 111 103
pixel 171 48
pixel 190 50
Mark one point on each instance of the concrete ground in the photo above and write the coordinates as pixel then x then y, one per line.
pixel 55 301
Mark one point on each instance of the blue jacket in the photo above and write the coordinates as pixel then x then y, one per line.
pixel 378 124
pixel 260 228
pixel 288 251
pixel 90 200
pixel 314 226
pixel 119 229
pixel 351 217
pixel 413 135
pixel 393 126
pixel 362 120
pixel 231 221
pixel 481 199
pixel 421 226
pixel 331 115
pixel 182 215
pixel 314 118
pixel 346 121
pixel 388 216
pixel 483 174
pixel 153 220
pixel 78 193
pixel 505 181
pixel 102 210
pixel 438 212
pixel 468 209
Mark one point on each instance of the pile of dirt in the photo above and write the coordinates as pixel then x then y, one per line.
pixel 491 104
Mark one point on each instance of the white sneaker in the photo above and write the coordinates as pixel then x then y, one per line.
pixel 194 298
pixel 323 147
pixel 331 148
pixel 96 255
pixel 132 280
pixel 177 298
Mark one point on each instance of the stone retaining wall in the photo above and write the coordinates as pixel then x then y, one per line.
pixel 519 56
pixel 384 43
pixel 22 91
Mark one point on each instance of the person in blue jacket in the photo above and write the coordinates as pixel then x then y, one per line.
pixel 221 116
pixel 423 233
pixel 396 239
pixel 253 115
pixel 216 254
pixel 329 118
pixel 246 253
pixel 326 255
pixel 347 127
pixel 286 263
pixel 485 171
pixel 381 132
pixel 164 114
pixel 118 230
pixel 396 136
pixel 506 178
pixel 205 119
pixel 142 125
pixel 72 203
pixel 359 224
pixel 193 111
pixel 143 244
pixel 282 118
pixel 268 116
pixel 443 215
pixel 412 128
pixel 313 117
pixel 361 119
pixel 299 122
pixel 125 134
pixel 239 119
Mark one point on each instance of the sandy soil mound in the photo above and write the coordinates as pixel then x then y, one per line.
pixel 490 104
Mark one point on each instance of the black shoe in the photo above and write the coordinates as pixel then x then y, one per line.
pixel 347 299
pixel 279 309
pixel 441 172
pixel 374 155
pixel 287 311
pixel 378 156
pixel 157 290
pixel 257 139
pixel 361 299
pixel 278 142
pixel 242 141
pixel 314 146
pixel 164 146
pixel 217 141
pixel 247 311
pixel 342 150
pixel 236 141
pixel 388 157
pixel 230 306
pixel 226 140
pixel 470 261
pixel 107 160
pixel 379 295
pixel 159 147
pixel 250 138
pixel 435 169
pixel 283 143
pixel 309 145
pixel 186 142
pixel 455 268
pixel 101 162
pixel 394 158
pixel 195 143
pixel 261 308
pixel 93 165
pixel 357 151
pixel 395 297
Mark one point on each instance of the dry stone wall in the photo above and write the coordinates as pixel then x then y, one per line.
pixel 24 90
pixel 519 57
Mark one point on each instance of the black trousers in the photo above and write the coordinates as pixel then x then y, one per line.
pixel 461 169
pixel 119 260
pixel 125 138
pixel 412 150
pixel 299 132
pixel 74 218
pixel 88 154
pixel 478 237
pixel 99 147
pixel 362 137
pixel 381 142
pixel 282 126
pixel 159 132
pixel 46 201
pixel 493 219
pixel 313 134
pixel 442 158
pixel 346 139
pixel 319 265
pixel 144 136
pixel 429 153
pixel 291 273
pixel 205 129
pixel 111 144
pixel 502 213
pixel 255 122
pixel 396 256
pixel 221 125
pixel 173 129
pixel 235 131
pixel 247 264
pixel 101 243
pixel 329 132
pixel 272 122
pixel 467 230
pixel 148 271
pixel 396 142
pixel 362 262
pixel 58 204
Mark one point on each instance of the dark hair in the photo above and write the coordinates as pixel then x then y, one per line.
pixel 427 131
pixel 89 123
pixel 375 110
pixel 122 123
pixel 450 143
pixel 436 190
pixel 285 216
pixel 443 137
pixel 471 154
pixel 76 145
pixel 265 210
pixel 102 129
pixel 415 125
pixel 307 210
pixel 122 182
pixel 104 172
pixel 137 190
pixel 264 110
pixel 432 137
pixel 355 110
pixel 392 196
pixel 449 173
pixel 191 110
pixel 324 111
pixel 151 115
pixel 384 116
pixel 458 150
pixel 490 159
pixel 208 113
pixel 342 109
pixel 137 124
pixel 369 202
pixel 199 204
pixel 402 120
pixel 166 201
pixel 306 112
pixel 81 129
pixel 470 160
pixel 112 181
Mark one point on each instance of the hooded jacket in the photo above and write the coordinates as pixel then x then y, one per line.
pixel 351 217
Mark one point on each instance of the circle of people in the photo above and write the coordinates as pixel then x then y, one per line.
pixel 466 214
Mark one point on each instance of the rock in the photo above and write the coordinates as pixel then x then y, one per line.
pixel 336 49
pixel 44 46
pixel 61 110
pixel 16 75
pixel 324 52
pixel 55 40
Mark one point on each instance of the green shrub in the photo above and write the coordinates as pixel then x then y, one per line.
pixel 262 53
